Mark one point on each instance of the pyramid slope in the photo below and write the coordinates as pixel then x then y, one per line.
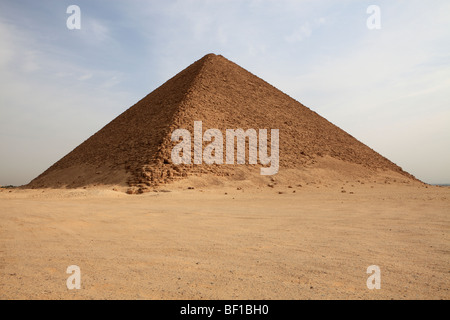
pixel 128 142
pixel 134 148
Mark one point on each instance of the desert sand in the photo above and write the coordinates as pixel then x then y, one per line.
pixel 224 243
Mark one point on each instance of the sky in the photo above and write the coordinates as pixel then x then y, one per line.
pixel 389 86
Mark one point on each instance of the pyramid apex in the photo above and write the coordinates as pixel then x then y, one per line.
pixel 210 56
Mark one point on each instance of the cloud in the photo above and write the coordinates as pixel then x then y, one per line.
pixel 86 76
pixel 304 31
pixel 301 33
pixel 30 61
pixel 95 31
pixel 48 104
pixel 389 88
pixel 6 52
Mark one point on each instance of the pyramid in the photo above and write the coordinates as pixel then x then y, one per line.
pixel 134 149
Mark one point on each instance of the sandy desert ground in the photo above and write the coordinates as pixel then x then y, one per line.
pixel 224 243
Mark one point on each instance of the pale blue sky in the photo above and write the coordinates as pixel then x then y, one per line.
pixel 389 88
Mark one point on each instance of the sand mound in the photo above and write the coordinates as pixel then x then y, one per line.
pixel 135 148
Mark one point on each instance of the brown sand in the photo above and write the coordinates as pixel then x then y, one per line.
pixel 223 243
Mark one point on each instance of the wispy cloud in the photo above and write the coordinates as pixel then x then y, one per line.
pixel 86 76
pixel 299 34
pixel 304 31
pixel 389 88
pixel 46 105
